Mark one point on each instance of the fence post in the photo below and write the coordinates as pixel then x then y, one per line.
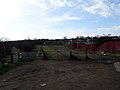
pixel 35 56
pixel 11 58
pixel 44 55
pixel 71 56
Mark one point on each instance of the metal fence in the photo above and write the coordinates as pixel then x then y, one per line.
pixel 23 56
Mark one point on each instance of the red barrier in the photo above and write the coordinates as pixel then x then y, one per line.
pixel 88 47
pixel 111 46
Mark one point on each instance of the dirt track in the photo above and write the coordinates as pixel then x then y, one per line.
pixel 61 75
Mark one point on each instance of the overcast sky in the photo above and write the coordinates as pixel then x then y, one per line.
pixel 20 19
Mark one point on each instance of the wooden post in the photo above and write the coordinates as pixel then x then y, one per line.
pixel 12 58
pixel 86 55
pixel 71 56
pixel 44 55
pixel 35 55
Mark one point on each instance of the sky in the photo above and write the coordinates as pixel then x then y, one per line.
pixel 55 19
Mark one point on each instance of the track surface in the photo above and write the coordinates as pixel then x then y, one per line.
pixel 61 75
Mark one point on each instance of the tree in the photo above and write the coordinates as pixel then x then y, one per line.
pixel 64 37
pixel 4 39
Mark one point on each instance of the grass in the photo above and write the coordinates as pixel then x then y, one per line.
pixel 53 53
pixel 113 55
pixel 5 68
pixel 59 52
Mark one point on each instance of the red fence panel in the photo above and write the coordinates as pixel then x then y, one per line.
pixel 88 47
pixel 111 46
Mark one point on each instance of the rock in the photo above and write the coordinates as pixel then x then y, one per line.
pixel 117 66
pixel 109 62
pixel 4 80
pixel 42 85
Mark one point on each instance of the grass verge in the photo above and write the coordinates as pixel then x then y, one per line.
pixel 6 68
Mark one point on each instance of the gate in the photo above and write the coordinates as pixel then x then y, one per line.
pixel 27 56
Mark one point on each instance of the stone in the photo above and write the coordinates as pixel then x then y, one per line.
pixel 117 66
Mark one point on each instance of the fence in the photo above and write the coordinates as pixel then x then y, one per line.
pixel 110 46
pixel 23 56
pixel 61 53
pixel 66 53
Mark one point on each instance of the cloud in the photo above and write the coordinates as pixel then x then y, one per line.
pixel 63 3
pixel 8 11
pixel 97 7
pixel 57 3
pixel 53 33
pixel 95 21
pixel 110 28
pixel 54 19
pixel 59 19
pixel 73 32
pixel 103 8
pixel 48 4
pixel 115 8
pixel 50 33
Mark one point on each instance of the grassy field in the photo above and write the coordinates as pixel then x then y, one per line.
pixel 59 52
pixel 56 52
